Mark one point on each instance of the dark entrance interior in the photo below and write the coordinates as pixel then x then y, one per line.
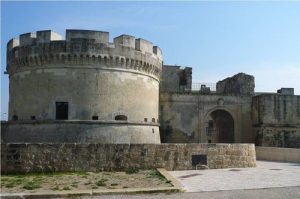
pixel 224 126
pixel 62 110
pixel 199 159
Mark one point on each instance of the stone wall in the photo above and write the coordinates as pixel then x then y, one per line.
pixel 276 120
pixel 176 79
pixel 278 154
pixel 84 77
pixel 277 137
pixel 276 109
pixel 184 117
pixel 105 132
pixel 96 157
pixel 240 83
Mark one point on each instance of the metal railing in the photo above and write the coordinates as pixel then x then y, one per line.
pixel 203 86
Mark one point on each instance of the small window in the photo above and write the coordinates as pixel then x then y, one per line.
pixel 153 119
pixel 199 159
pixel 62 110
pixel 95 117
pixel 145 119
pixel 14 117
pixel 121 117
pixel 32 117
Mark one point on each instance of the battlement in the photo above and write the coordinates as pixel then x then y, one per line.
pixel 83 47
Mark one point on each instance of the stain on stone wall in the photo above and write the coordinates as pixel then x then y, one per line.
pixel 276 120
pixel 277 137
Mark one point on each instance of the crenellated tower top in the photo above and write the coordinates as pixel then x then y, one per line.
pixel 87 48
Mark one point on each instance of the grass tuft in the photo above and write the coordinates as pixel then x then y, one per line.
pixel 31 185
pixel 156 174
pixel 66 188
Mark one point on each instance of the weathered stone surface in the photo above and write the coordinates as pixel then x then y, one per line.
pixel 185 117
pixel 176 79
pixel 240 83
pixel 97 157
pixel 277 137
pixel 276 118
pixel 79 131
pixel 95 79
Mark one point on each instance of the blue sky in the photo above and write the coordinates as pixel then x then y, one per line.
pixel 217 39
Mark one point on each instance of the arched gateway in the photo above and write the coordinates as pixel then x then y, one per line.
pixel 220 127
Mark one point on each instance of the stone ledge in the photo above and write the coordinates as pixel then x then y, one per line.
pixel 71 194
pixel 11 122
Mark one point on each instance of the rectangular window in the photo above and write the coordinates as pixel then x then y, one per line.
pixel 95 117
pixel 199 159
pixel 62 110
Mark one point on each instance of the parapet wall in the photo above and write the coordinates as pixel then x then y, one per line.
pixel 276 110
pixel 278 154
pixel 24 158
pixel 83 47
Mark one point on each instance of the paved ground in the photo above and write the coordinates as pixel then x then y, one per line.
pixel 272 193
pixel 269 180
pixel 265 175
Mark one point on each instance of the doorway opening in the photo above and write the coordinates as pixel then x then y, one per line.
pixel 220 127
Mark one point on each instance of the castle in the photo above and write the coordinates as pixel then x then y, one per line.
pixel 85 89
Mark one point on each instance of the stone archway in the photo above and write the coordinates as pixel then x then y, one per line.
pixel 220 127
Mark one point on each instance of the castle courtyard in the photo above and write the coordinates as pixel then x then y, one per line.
pixel 267 180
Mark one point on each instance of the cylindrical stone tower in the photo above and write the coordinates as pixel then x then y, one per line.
pixel 82 89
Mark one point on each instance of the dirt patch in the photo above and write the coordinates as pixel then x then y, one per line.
pixel 33 183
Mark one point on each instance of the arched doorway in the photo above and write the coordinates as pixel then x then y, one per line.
pixel 220 128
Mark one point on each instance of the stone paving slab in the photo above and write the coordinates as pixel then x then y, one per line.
pixel 265 175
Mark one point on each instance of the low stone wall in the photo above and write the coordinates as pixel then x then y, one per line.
pixel 23 158
pixel 278 154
